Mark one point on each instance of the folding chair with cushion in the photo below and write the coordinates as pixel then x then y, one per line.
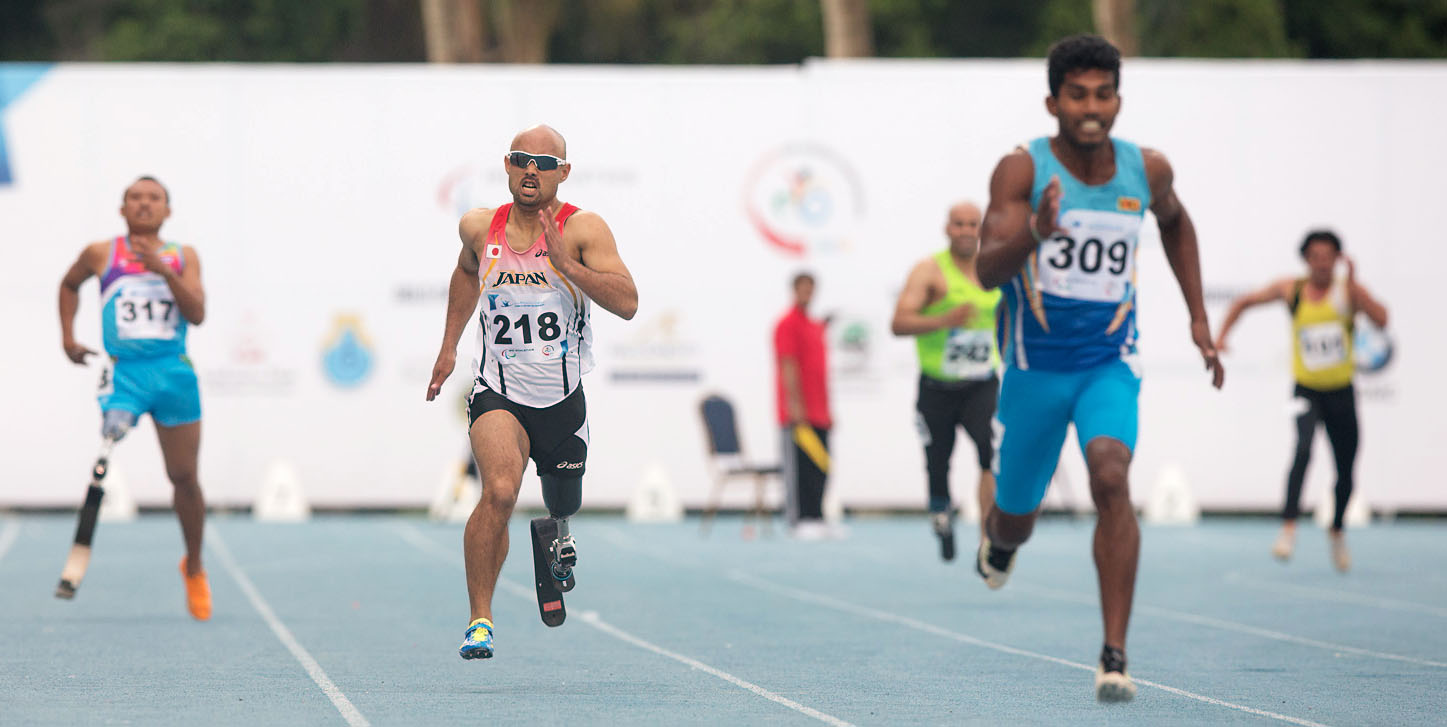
pixel 727 461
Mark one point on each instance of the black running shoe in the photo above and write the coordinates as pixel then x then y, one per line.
pixel 994 564
pixel 1112 682
pixel 944 527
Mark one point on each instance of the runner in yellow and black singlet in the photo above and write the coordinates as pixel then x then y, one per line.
pixel 1322 309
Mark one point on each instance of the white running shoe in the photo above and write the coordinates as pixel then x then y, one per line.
pixel 1340 556
pixel 1112 681
pixel 1284 545
pixel 994 564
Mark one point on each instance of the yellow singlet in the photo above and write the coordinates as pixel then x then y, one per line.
pixel 1321 331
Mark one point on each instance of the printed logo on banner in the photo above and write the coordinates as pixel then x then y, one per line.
pixel 804 199
pixel 655 353
pixel 347 352
pixel 1371 347
pixel 15 78
pixel 249 370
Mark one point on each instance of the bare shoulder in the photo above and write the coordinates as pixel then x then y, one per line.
pixel 1158 167
pixel 474 222
pixel 94 255
pixel 585 221
pixel 1018 163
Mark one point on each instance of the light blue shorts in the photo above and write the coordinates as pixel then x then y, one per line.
pixel 163 387
pixel 1035 409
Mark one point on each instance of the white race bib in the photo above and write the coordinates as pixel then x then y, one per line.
pixel 967 354
pixel 526 327
pixel 1323 345
pixel 1094 260
pixel 146 310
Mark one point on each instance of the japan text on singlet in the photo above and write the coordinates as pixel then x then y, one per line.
pixel 139 316
pixel 1072 305
pixel 535 338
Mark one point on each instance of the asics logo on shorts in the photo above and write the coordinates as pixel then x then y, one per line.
pixel 570 465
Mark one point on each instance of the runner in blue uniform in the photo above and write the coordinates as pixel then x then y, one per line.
pixel 1060 239
pixel 150 292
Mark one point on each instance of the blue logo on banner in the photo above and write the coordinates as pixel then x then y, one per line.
pixel 15 78
pixel 347 354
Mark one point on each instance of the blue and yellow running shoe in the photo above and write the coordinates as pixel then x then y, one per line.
pixel 477 643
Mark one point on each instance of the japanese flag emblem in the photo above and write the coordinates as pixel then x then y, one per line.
pixel 494 251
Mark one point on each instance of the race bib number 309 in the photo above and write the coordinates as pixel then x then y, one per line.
pixel 1093 260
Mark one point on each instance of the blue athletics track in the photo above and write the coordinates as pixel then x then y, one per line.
pixel 355 620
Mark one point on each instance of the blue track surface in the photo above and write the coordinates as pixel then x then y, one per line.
pixel 357 620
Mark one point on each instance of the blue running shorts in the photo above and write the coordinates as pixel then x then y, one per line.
pixel 1034 410
pixel 163 387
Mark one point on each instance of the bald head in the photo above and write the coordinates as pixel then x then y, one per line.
pixel 962 227
pixel 541 139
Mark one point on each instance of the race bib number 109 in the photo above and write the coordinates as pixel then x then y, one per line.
pixel 1093 260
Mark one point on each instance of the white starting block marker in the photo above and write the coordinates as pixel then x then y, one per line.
pixel 118 505
pixel 280 498
pixel 457 496
pixel 654 500
pixel 1171 501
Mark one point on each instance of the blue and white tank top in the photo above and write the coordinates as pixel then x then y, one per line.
pixel 1072 305
pixel 139 315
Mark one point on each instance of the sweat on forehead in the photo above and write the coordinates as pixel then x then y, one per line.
pixel 543 136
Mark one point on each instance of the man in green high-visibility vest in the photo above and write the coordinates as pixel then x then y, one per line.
pixel 953 321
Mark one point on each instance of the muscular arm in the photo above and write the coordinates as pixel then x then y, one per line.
pixel 186 287
pixel 1005 239
pixel 462 295
pixel 908 320
pixel 596 267
pixel 1178 237
pixel 80 271
pixel 1277 290
pixel 1364 302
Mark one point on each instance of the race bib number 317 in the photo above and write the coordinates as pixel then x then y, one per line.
pixel 1094 259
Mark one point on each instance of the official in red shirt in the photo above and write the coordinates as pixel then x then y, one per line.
pixel 802 375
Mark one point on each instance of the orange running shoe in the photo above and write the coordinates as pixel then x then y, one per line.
pixel 198 593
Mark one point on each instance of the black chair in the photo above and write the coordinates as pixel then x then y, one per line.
pixel 727 461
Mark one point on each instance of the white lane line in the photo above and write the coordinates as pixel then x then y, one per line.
pixel 283 634
pixel 591 618
pixel 1229 626
pixel 623 541
pixel 9 535
pixel 906 621
pixel 1329 594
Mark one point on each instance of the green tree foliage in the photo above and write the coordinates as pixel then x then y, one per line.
pixel 24 35
pixel 713 31
pixel 218 30
pixel 1377 29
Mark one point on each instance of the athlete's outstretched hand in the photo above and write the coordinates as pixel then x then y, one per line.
pixel 558 253
pixel 1201 334
pixel 446 360
pixel 1046 220
pixel 76 352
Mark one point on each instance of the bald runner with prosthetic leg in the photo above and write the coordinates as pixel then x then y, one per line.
pixel 536 264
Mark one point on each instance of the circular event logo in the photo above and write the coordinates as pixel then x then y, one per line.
pixel 347 352
pixel 804 199
pixel 1371 347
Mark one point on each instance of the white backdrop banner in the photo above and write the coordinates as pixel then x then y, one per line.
pixel 323 202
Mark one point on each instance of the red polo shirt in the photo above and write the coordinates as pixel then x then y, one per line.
pixel 801 338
